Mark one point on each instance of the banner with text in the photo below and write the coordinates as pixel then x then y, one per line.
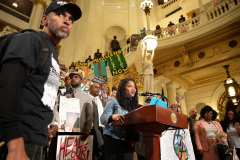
pixel 99 80
pixel 82 67
pixel 116 63
pixel 71 147
pixel 99 67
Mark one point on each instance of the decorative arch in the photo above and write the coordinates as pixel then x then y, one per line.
pixel 115 30
pixel 220 100
pixel 113 26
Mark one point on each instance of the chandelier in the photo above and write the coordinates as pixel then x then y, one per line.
pixel 146 6
pixel 231 87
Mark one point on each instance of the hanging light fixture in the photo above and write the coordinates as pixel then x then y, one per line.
pixel 147 4
pixel 232 87
pixel 15 3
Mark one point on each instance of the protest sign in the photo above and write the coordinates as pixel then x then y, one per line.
pixel 82 67
pixel 68 111
pixel 99 80
pixel 71 147
pixel 99 67
pixel 116 63
pixel 176 144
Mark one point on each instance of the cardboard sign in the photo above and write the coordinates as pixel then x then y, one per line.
pixel 71 147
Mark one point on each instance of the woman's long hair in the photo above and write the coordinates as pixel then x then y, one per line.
pixel 121 96
pixel 226 122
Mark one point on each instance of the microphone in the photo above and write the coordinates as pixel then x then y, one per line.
pixel 148 94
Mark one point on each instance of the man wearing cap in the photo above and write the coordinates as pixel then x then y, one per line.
pixel 27 95
pixel 85 122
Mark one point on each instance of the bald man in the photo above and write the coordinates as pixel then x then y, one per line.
pixel 191 122
pixel 98 128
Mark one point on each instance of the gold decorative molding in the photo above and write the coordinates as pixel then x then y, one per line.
pixel 186 58
pixel 42 2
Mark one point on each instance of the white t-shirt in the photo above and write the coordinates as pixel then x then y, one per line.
pixel 211 131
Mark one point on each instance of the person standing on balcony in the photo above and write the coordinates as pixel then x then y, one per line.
pixel 181 19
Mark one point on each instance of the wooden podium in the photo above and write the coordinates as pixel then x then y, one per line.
pixel 152 121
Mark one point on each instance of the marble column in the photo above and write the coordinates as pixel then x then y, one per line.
pixel 181 91
pixel 36 15
pixel 171 92
pixel 202 14
pixel 201 5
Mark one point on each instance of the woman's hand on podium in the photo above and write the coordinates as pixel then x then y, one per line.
pixel 118 118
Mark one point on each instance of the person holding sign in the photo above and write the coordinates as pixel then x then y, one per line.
pixel 119 142
pixel 84 123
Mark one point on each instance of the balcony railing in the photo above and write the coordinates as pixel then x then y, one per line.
pixel 203 18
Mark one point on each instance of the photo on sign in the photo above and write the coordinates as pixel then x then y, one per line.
pixel 71 120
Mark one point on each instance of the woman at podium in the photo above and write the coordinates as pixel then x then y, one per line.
pixel 119 141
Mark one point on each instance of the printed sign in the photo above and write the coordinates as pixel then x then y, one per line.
pixel 82 67
pixel 85 88
pixel 71 147
pixel 177 145
pixel 68 112
pixel 135 38
pixel 103 94
pixel 99 80
pixel 116 63
pixel 99 67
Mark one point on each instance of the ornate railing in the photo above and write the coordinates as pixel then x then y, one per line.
pixel 224 7
pixel 203 18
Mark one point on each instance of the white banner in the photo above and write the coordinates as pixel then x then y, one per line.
pixel 71 147
pixel 176 145
pixel 69 111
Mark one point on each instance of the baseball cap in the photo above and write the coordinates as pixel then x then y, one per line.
pixel 76 11
pixel 76 73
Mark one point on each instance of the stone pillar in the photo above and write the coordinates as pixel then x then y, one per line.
pixel 181 91
pixel 132 17
pixel 148 22
pixel 171 92
pixel 36 15
pixel 201 5
pixel 202 14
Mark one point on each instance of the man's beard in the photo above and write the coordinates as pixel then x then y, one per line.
pixel 55 31
pixel 75 85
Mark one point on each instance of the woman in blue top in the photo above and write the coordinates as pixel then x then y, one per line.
pixel 119 142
